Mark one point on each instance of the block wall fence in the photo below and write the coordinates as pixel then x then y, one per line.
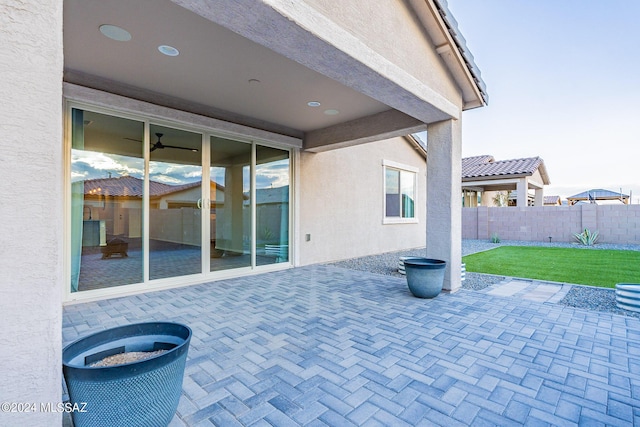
pixel 617 224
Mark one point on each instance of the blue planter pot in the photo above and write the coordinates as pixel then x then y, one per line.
pixel 140 393
pixel 425 276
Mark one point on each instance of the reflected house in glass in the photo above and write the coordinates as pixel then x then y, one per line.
pixel 115 206
pixel 118 201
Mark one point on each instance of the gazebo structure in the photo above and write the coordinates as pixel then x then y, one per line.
pixel 595 195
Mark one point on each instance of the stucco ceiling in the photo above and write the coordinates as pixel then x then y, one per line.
pixel 215 67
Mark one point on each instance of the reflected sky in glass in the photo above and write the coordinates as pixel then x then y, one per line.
pixel 89 165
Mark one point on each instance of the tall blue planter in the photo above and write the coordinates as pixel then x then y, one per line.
pixel 425 276
pixel 140 393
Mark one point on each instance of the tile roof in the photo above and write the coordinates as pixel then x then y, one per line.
pixel 129 186
pixel 551 200
pixel 487 166
pixel 469 163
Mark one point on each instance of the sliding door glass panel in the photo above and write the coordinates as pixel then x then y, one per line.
pixel 175 202
pixel 272 205
pixel 230 216
pixel 107 170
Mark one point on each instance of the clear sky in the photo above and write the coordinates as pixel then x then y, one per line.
pixel 563 78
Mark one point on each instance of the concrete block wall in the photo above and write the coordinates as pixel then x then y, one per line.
pixel 618 224
pixel 470 223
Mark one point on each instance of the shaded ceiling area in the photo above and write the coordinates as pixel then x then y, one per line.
pixel 217 72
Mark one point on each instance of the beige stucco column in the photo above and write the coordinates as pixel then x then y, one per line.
pixel 444 204
pixel 539 201
pixel 522 189
pixel 31 212
pixel 486 199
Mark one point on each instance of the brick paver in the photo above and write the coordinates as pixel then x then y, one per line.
pixel 322 345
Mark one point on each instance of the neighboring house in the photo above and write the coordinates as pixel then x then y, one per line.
pixel 552 201
pixel 490 182
pixel 598 195
pixel 304 97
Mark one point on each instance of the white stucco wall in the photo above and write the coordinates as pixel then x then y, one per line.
pixel 341 202
pixel 31 210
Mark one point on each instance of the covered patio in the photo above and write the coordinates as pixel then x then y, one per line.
pixel 324 345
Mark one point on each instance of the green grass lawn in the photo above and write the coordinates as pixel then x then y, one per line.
pixel 602 268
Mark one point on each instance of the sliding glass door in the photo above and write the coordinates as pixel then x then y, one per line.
pixel 175 202
pixel 272 205
pixel 151 203
pixel 230 217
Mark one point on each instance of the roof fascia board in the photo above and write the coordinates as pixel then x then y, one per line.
pixel 415 144
pixel 530 184
pixel 449 50
pixel 496 181
pixel 543 173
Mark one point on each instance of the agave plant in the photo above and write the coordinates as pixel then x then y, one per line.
pixel 587 237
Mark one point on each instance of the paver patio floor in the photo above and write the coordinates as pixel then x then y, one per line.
pixel 323 345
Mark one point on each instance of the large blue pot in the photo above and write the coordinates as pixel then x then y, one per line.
pixel 425 276
pixel 140 393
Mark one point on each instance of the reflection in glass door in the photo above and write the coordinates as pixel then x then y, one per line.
pixel 230 231
pixel 107 170
pixel 118 225
pixel 272 205
pixel 175 202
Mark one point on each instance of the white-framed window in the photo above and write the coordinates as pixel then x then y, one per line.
pixel 400 191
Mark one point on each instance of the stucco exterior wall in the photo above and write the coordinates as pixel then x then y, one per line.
pixel 31 209
pixel 619 224
pixel 537 178
pixel 341 202
pixel 392 29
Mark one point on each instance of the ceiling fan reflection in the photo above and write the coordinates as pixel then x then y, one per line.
pixel 158 145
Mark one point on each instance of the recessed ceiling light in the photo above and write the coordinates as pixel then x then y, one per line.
pixel 115 33
pixel 168 50
pixel 313 104
pixel 331 112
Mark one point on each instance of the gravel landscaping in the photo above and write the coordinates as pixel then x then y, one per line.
pixel 585 297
